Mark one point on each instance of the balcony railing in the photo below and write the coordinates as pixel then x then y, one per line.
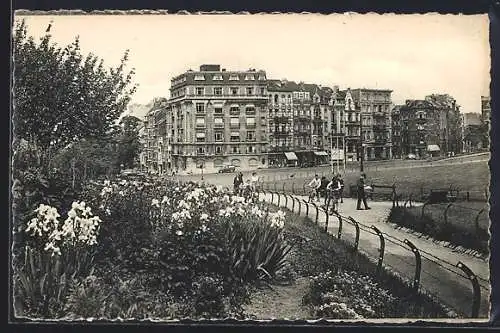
pixel 234 125
pixel 251 125
pixel 219 125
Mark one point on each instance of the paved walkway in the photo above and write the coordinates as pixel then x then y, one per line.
pixel 439 276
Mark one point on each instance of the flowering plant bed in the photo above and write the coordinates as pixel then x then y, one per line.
pixel 147 250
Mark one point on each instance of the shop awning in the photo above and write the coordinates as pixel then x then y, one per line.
pixel 433 148
pixel 320 153
pixel 291 156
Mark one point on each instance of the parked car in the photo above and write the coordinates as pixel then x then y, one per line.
pixel 412 157
pixel 227 168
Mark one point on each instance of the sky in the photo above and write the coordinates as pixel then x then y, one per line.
pixel 413 55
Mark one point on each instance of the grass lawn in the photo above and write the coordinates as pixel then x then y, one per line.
pixel 473 177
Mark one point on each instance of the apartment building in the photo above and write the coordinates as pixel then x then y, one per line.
pixel 218 118
pixel 430 126
pixel 485 119
pixel 397 151
pixel 374 107
pixel 472 132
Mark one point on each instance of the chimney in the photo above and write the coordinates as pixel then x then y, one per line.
pixel 223 69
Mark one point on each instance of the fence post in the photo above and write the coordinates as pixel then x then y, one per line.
pixel 284 186
pixel 279 198
pixel 272 197
pixel 381 250
pixel 293 187
pixel 300 205
pixel 286 201
pixel 477 220
pixel 423 207
pixel 446 212
pixel 304 188
pixel 317 212
pixel 467 194
pixel 476 292
pixel 394 196
pixel 356 225
pixel 293 203
pixel 307 207
pixel 339 217
pixel 326 221
pixel 418 264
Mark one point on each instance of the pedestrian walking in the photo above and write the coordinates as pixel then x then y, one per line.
pixel 237 182
pixel 361 192
pixel 254 180
pixel 322 189
pixel 314 185
pixel 341 190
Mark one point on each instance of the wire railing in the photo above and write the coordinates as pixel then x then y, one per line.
pixel 424 272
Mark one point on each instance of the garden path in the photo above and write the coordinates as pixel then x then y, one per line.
pixel 283 301
pixel 439 276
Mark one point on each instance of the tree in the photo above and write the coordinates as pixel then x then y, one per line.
pixel 129 145
pixel 62 96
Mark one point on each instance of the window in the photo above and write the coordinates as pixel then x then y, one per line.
pixel 217 77
pixel 200 122
pixel 234 91
pixel 276 99
pixel 235 137
pixel 217 91
pixel 200 91
pixel 200 108
pixel 235 150
pixel 200 137
pixel 219 136
pixel 263 91
pixel 249 90
pixel 199 77
pixel 235 122
pixel 218 110
pixel 251 149
pixel 218 150
pixel 250 121
pixel 262 77
pixel 263 121
pixel 200 150
pixel 234 77
pixel 249 77
pixel 218 122
pixel 234 109
pixel 250 110
pixel 250 136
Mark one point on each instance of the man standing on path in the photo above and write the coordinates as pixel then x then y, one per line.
pixel 361 192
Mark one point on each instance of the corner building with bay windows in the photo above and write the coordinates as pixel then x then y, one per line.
pixel 218 118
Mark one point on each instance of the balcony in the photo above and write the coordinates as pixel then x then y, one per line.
pixel 234 126
pixel 219 125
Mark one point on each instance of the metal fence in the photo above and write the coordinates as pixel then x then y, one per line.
pixel 453 283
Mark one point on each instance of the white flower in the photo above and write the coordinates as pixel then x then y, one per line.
pixel 155 203
pixel 121 193
pixel 179 233
pixel 204 217
pixel 123 182
pixel 165 200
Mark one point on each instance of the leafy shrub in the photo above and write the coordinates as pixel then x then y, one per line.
pixel 348 295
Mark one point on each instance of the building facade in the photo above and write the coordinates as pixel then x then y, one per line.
pixel 431 126
pixel 472 132
pixel 485 119
pixel 218 118
pixel 374 107
pixel 397 150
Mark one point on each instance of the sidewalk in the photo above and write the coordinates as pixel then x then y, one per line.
pixel 439 274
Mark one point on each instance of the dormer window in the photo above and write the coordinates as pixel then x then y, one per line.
pixel 249 77
pixel 262 77
pixel 234 77
pixel 199 77
pixel 218 77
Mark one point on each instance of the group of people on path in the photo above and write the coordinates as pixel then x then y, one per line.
pixel 332 191
pixel 246 189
